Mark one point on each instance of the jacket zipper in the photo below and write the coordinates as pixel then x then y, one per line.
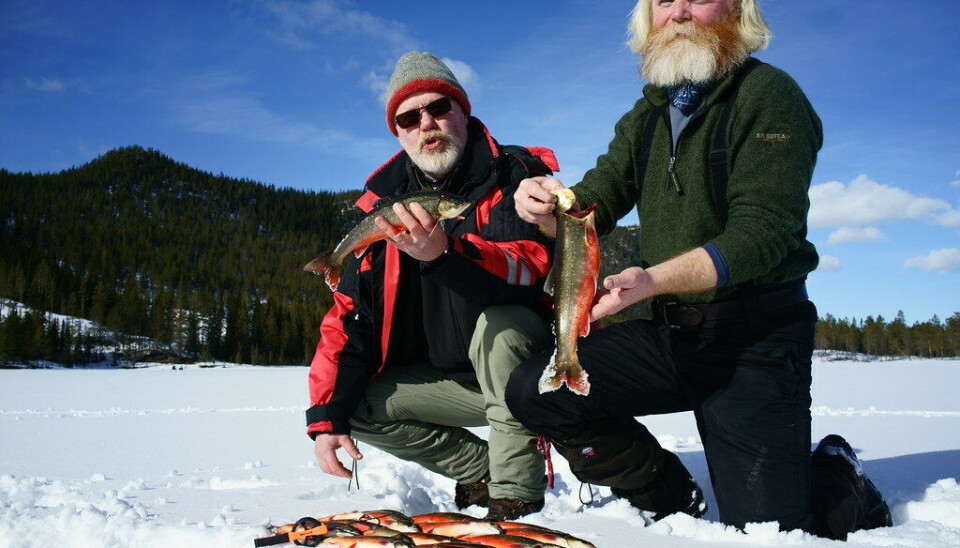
pixel 671 168
pixel 673 175
pixel 675 151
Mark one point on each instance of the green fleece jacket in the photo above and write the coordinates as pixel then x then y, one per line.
pixel 773 137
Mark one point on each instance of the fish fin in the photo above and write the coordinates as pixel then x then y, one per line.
pixel 578 384
pixel 324 265
pixel 360 251
pixel 550 379
pixel 550 279
pixel 585 327
pixel 556 375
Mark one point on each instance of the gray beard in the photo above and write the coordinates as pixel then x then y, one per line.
pixel 439 164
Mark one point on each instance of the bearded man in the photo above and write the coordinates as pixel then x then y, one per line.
pixel 398 365
pixel 717 156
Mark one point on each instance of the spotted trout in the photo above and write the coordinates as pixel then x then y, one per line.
pixel 576 267
pixel 440 205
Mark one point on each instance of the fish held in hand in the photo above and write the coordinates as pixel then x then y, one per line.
pixel 440 205
pixel 573 280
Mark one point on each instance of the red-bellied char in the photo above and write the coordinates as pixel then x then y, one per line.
pixel 440 205
pixel 461 528
pixel 509 541
pixel 441 517
pixel 573 281
pixel 551 537
pixel 367 542
pixel 386 518
pixel 425 539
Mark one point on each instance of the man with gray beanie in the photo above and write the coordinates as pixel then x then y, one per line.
pixel 398 365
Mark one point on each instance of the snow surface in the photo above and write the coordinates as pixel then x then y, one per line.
pixel 207 457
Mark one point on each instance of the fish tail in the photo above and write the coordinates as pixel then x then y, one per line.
pixel 577 382
pixel 550 379
pixel 565 371
pixel 325 265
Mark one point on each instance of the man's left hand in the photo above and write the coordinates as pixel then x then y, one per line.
pixel 620 291
pixel 423 239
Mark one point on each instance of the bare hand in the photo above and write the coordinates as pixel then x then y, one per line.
pixel 535 203
pixel 620 291
pixel 423 239
pixel 325 449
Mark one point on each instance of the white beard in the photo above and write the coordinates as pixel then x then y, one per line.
pixel 440 162
pixel 679 62
pixel 706 53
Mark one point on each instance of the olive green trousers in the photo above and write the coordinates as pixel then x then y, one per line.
pixel 417 414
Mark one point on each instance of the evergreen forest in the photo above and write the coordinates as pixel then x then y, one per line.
pixel 207 267
pixel 149 247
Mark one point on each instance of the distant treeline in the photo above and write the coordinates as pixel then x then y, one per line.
pixel 875 336
pixel 29 336
pixel 183 264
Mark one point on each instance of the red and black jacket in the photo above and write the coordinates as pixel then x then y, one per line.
pixel 493 257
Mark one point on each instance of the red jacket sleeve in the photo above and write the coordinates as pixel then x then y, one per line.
pixel 340 367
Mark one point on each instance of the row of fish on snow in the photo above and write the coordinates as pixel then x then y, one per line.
pixel 392 529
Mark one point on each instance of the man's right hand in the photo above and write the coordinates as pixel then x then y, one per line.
pixel 535 203
pixel 325 449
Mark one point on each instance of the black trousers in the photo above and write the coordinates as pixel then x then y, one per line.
pixel 746 379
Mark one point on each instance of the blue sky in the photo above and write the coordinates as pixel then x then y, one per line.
pixel 288 93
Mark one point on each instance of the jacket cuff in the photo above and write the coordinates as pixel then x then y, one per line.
pixel 319 423
pixel 719 263
pixel 443 256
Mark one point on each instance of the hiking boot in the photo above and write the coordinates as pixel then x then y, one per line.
pixel 672 490
pixel 835 464
pixel 511 509
pixel 477 493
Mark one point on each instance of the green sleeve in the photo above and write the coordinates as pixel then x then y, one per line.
pixel 773 139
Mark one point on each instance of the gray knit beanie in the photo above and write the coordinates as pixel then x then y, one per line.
pixel 418 71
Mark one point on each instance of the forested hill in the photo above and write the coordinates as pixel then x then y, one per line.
pixel 133 240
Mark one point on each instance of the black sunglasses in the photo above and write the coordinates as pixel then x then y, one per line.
pixel 411 118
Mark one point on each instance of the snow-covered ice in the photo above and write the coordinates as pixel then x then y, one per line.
pixel 207 457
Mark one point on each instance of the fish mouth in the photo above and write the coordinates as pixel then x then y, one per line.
pixel 453 210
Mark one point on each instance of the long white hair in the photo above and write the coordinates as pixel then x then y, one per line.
pixel 753 29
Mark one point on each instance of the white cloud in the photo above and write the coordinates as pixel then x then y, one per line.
pixel 302 21
pixel 46 84
pixel 940 260
pixel 465 74
pixel 377 83
pixel 847 234
pixel 950 219
pixel 957 182
pixel 828 263
pixel 864 202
